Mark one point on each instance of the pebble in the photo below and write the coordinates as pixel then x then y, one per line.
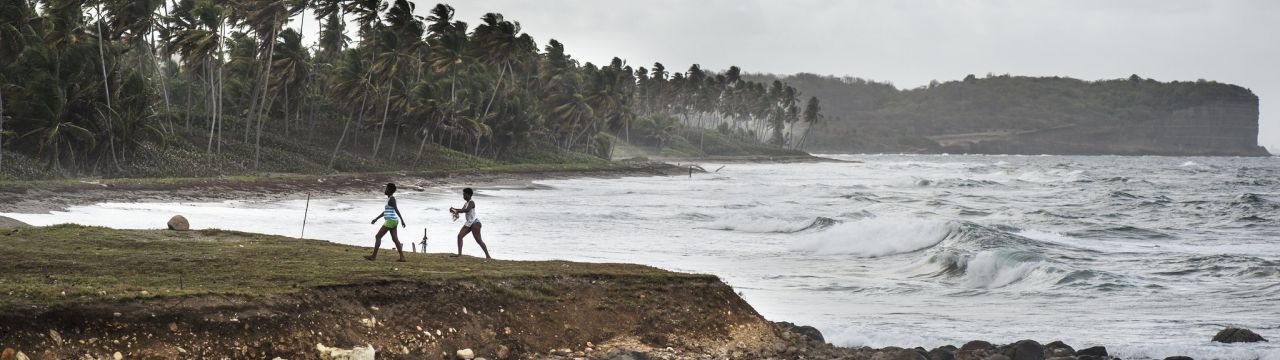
pixel 117 356
pixel 466 354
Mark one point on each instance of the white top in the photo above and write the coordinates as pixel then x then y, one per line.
pixel 471 213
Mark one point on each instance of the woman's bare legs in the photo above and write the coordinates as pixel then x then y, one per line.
pixel 475 232
pixel 461 233
pixel 377 242
pixel 395 238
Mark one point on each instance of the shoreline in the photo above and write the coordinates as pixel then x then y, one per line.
pixel 58 195
pixel 43 196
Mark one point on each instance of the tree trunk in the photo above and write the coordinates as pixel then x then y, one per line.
pixel 213 104
pixel 425 135
pixel 263 110
pixel 286 109
pixel 382 128
pixel 338 146
pixel 2 128
pixel 218 116
pixel 164 80
pixel 394 141
pixel 257 142
pixel 106 86
pixel 187 113
pixel 501 72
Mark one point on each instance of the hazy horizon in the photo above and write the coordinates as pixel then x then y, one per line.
pixel 910 43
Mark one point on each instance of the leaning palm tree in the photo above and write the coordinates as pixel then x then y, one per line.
pixel 265 17
pixel 193 35
pixel 812 115
pixel 401 38
pixel 293 66
pixel 135 22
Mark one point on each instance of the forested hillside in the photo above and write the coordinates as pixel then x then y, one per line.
pixel 204 87
pixel 1014 114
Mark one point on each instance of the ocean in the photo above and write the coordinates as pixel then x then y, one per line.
pixel 1148 256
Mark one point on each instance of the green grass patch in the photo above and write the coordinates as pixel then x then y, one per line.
pixel 72 264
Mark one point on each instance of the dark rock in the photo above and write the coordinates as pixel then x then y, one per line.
pixel 1089 357
pixel 179 223
pixel 942 353
pixel 621 354
pixel 1179 358
pixel 997 357
pixel 977 345
pixel 808 331
pixel 1058 345
pixel 1025 350
pixel 1235 335
pixel 896 353
pixel 1099 351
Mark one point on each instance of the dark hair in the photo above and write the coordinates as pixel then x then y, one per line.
pixel 391 188
pixel 468 191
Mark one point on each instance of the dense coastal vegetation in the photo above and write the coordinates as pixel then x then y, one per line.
pixel 203 88
pixel 870 116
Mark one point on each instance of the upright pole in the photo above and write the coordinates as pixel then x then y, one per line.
pixel 304 216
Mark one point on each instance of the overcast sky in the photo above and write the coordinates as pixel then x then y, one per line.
pixel 912 42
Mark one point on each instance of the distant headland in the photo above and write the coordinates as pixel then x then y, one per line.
pixel 1002 114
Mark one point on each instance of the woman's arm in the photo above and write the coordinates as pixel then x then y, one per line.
pixel 376 219
pixel 397 208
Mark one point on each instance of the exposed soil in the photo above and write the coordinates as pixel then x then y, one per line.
pixel 535 317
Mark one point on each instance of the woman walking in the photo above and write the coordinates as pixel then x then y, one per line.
pixel 391 217
pixel 472 225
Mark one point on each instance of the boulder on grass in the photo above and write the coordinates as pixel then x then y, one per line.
pixel 179 223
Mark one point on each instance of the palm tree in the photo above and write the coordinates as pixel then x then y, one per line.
pixel 401 37
pixel 266 17
pixel 812 115
pixel 15 28
pixel 294 69
pixel 333 38
pixel 500 45
pixel 194 37
pixel 135 22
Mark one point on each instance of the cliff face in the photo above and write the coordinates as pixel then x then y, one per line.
pixel 1224 128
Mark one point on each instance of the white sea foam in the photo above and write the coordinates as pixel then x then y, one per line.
pixel 876 237
pixel 857 336
pixel 997 268
pixel 759 223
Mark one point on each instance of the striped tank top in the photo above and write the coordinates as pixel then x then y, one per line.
pixel 389 212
